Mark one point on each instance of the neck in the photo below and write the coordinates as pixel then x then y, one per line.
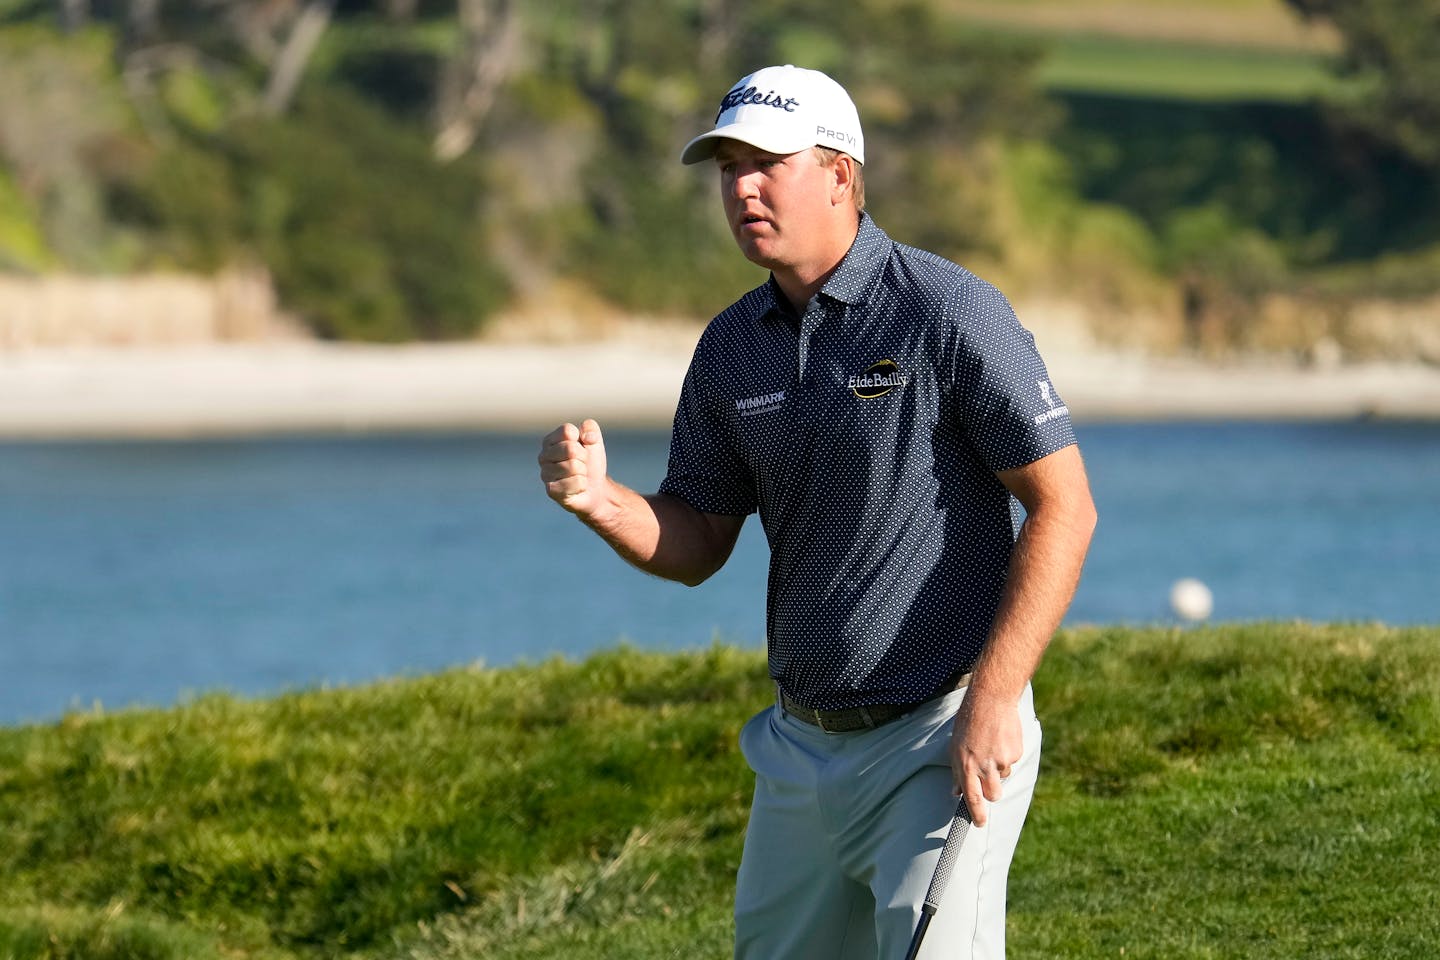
pixel 801 282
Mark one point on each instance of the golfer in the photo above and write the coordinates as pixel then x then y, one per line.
pixel 882 410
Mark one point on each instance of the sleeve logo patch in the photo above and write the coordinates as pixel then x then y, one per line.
pixel 882 377
pixel 1055 412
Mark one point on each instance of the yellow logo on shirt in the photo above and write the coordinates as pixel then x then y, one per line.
pixel 880 379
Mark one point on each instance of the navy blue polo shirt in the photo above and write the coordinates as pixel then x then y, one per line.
pixel 867 434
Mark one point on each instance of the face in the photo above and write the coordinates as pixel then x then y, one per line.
pixel 780 207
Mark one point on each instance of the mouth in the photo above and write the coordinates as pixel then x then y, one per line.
pixel 750 222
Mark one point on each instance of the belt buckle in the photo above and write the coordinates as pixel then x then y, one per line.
pixel 867 722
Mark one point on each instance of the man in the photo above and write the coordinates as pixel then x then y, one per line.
pixel 882 409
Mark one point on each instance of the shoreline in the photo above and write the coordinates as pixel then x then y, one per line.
pixel 288 387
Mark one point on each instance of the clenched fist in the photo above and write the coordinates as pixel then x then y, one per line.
pixel 572 467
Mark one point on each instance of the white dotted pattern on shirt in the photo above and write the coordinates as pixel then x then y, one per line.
pixel 890 534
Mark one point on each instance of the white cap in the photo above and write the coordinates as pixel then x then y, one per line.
pixel 784 110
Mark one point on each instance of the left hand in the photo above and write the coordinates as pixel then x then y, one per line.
pixel 987 741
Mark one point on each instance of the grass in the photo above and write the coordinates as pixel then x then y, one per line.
pixel 1268 24
pixel 1257 791
pixel 1197 50
pixel 1094 63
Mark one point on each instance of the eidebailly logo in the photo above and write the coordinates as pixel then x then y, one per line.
pixel 882 377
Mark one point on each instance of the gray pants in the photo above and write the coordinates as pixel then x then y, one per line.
pixel 845 831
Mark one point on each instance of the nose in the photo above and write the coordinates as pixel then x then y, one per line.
pixel 744 182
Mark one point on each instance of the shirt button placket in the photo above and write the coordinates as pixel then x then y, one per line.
pixel 809 404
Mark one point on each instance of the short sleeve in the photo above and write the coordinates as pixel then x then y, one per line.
pixel 1011 411
pixel 706 469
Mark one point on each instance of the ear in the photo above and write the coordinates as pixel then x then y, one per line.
pixel 842 179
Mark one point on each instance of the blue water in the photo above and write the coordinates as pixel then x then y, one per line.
pixel 144 573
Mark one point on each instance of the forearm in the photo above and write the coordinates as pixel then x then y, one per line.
pixel 1044 572
pixel 660 534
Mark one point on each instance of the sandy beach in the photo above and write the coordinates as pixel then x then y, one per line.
pixel 299 386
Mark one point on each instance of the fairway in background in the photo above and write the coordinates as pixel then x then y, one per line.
pixel 1092 63
pixel 1216 51
pixel 1256 24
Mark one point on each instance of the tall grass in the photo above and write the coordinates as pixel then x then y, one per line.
pixel 1241 791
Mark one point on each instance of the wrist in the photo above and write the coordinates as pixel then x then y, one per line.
pixel 993 686
pixel 602 509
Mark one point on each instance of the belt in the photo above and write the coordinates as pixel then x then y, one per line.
pixel 859 718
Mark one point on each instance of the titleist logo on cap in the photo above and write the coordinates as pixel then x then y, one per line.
pixel 782 110
pixel 743 95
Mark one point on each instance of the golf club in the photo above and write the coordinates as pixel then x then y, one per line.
pixel 959 827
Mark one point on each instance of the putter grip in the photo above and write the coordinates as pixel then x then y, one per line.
pixel 959 826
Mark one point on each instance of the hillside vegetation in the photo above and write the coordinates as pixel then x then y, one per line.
pixel 1260 790
pixel 406 169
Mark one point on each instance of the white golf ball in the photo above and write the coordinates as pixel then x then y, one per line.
pixel 1191 599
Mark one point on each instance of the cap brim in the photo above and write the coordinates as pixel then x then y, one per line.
pixel 767 138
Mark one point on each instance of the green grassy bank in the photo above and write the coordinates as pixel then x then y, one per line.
pixel 1240 791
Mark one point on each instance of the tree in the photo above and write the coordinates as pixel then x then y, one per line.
pixel 300 43
pixel 490 42
pixel 1392 63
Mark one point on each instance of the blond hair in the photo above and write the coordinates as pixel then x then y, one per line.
pixel 827 157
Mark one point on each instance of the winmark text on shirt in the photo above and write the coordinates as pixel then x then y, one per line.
pixel 1053 414
pixel 763 404
pixel 744 95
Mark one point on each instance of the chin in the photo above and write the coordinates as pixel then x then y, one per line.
pixel 757 254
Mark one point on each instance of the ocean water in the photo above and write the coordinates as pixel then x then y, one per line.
pixel 146 573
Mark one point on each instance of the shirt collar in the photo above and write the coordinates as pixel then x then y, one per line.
pixel 855 275
pixel 862 264
pixel 778 303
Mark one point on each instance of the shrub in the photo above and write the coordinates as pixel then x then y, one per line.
pixel 22 244
pixel 368 236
